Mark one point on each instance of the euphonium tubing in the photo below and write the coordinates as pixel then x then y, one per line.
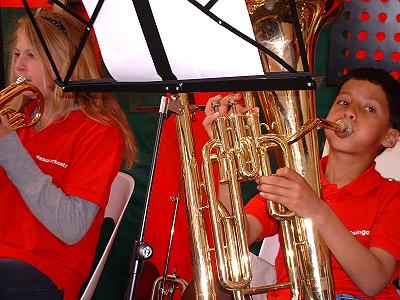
pixel 19 119
pixel 240 135
pixel 242 152
pixel 200 250
pixel 288 114
pixel 173 282
pixel 237 136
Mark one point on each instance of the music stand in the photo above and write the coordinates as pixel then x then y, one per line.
pixel 169 83
pixel 292 79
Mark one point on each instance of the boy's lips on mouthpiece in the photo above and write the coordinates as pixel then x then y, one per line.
pixel 345 128
pixel 342 134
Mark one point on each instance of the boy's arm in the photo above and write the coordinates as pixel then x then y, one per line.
pixel 370 269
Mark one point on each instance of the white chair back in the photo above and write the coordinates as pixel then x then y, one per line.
pixel 387 163
pixel 121 191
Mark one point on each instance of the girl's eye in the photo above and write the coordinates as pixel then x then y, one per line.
pixel 342 102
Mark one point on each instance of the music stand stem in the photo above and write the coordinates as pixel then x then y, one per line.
pixel 141 250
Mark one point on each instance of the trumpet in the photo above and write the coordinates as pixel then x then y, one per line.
pixel 16 117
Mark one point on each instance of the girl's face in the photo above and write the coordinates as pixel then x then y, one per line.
pixel 28 63
pixel 364 104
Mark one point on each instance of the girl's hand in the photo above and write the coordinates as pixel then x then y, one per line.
pixel 289 188
pixel 223 109
pixel 5 127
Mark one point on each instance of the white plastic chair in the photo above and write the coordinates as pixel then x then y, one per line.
pixel 121 191
pixel 387 163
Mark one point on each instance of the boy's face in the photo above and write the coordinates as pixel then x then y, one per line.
pixel 365 105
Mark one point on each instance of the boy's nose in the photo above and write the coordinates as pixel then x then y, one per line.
pixel 349 114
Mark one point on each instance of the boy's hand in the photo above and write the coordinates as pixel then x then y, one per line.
pixel 5 127
pixel 223 109
pixel 289 188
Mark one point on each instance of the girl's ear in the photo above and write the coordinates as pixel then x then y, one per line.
pixel 391 138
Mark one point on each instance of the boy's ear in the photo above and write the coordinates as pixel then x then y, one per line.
pixel 391 138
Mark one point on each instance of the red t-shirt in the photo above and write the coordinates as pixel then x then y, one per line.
pixel 369 207
pixel 82 157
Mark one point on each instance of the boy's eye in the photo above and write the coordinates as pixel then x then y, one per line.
pixel 342 102
pixel 370 109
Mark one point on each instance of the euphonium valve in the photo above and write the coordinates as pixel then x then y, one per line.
pixel 17 117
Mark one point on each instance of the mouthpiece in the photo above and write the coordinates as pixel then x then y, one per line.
pixel 20 79
pixel 343 128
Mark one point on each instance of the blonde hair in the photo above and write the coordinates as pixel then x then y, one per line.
pixel 62 34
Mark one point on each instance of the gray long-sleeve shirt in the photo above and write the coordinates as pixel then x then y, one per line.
pixel 66 216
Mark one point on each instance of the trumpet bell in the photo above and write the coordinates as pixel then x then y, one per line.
pixel 25 113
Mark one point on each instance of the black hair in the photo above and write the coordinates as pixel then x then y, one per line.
pixel 390 86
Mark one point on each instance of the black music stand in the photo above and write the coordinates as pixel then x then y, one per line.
pixel 290 80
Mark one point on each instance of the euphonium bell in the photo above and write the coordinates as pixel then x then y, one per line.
pixel 16 117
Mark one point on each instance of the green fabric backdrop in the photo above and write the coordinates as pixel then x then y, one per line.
pixel 113 281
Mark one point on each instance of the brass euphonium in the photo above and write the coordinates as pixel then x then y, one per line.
pixel 16 117
pixel 243 152
pixel 288 113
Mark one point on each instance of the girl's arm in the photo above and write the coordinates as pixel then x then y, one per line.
pixel 66 216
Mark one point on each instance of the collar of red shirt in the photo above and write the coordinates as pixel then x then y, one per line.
pixel 363 184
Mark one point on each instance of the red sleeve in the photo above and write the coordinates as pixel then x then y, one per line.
pixel 97 160
pixel 385 233
pixel 257 207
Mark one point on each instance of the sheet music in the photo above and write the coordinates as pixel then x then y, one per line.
pixel 196 46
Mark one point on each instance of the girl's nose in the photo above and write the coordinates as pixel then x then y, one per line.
pixel 19 65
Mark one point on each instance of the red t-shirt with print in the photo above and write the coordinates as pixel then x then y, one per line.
pixel 82 157
pixel 369 207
